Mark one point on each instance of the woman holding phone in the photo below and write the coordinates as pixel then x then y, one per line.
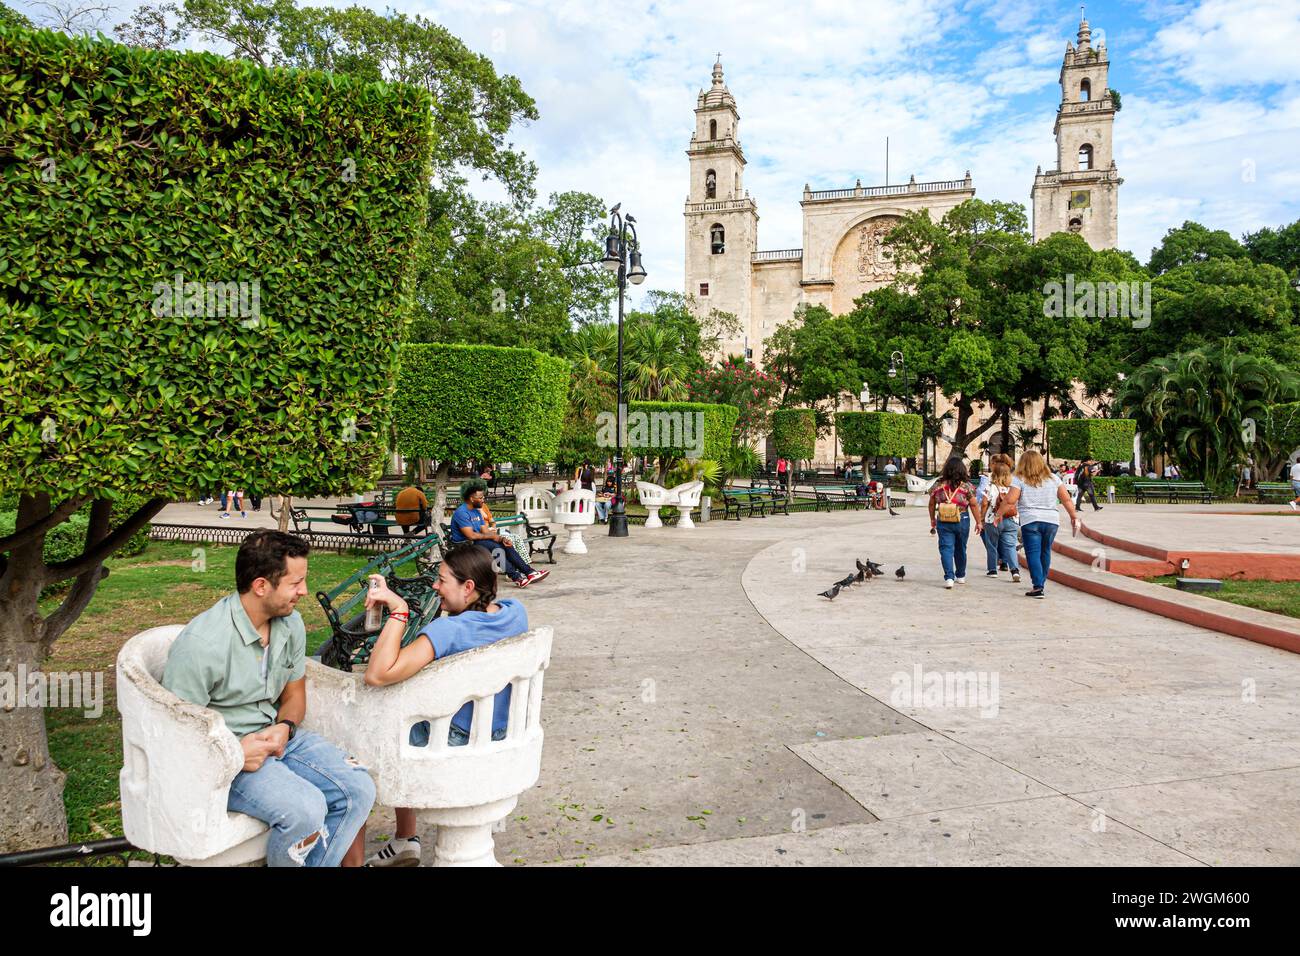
pixel 1035 494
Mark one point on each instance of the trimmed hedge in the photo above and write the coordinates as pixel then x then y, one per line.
pixel 656 436
pixel 127 168
pixel 869 434
pixel 456 402
pixel 1105 439
pixel 794 433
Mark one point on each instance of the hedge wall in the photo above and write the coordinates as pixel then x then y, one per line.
pixel 656 436
pixel 125 172
pixel 794 433
pixel 456 402
pixel 879 433
pixel 1105 439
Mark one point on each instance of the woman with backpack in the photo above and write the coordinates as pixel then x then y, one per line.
pixel 1035 494
pixel 999 539
pixel 951 501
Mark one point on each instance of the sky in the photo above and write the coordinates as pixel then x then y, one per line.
pixel 1209 129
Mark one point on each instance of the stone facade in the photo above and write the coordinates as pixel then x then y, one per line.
pixel 843 256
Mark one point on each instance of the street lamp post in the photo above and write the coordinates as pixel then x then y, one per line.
pixel 622 255
pixel 897 364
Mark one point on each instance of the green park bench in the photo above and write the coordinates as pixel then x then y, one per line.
pixel 777 500
pixel 1172 491
pixel 540 539
pixel 844 495
pixel 734 498
pixel 1274 491
pixel 350 642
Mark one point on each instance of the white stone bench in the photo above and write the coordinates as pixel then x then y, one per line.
pixel 574 509
pixel 536 504
pixel 687 496
pixel 920 487
pixel 652 498
pixel 179 759
pixel 466 790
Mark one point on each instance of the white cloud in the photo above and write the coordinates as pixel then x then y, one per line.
pixel 1228 43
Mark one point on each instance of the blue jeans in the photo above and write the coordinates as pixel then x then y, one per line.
pixel 602 510
pixel 1000 543
pixel 952 546
pixel 455 736
pixel 1039 536
pixel 507 559
pixel 313 788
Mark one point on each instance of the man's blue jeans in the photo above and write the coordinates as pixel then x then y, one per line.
pixel 952 546
pixel 602 510
pixel 1000 543
pixel 313 788
pixel 1038 536
pixel 507 560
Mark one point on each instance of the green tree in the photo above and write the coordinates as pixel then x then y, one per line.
pixel 10 17
pixel 114 382
pixel 1204 407
pixel 1191 242
pixel 1277 247
pixel 480 402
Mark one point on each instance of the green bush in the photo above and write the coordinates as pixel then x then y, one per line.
pixel 1105 439
pixel 458 402
pixel 794 433
pixel 652 438
pixel 871 434
pixel 127 171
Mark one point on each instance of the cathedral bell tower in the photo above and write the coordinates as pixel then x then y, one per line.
pixel 1081 194
pixel 721 219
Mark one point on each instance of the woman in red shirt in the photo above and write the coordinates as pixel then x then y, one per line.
pixel 952 501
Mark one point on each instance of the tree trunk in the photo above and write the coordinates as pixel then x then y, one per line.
pixel 440 492
pixel 286 503
pixel 1006 430
pixel 31 785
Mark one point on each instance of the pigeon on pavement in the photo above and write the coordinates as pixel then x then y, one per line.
pixel 899 573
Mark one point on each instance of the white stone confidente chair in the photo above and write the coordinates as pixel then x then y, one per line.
pixel 467 792
pixel 536 504
pixel 575 509
pixel 920 489
pixel 687 496
pixel 178 760
pixel 653 497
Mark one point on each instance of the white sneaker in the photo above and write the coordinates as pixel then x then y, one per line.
pixel 961 580
pixel 397 852
pixel 225 514
pixel 1015 577
pixel 947 582
pixel 1293 506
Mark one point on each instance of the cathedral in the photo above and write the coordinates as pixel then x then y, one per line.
pixel 843 255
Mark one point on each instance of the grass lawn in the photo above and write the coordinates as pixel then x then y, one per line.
pixel 160 586
pixel 1280 597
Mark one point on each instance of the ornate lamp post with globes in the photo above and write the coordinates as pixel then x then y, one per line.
pixel 622 255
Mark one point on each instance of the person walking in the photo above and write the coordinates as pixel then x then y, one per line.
pixel 1035 493
pixel 950 503
pixel 1295 484
pixel 1083 482
pixel 981 490
pixel 999 538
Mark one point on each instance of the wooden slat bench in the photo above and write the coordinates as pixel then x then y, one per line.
pixel 1172 491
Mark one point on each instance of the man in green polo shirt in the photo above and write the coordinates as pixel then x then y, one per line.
pixel 245 658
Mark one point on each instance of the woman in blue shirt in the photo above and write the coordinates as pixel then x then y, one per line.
pixel 467 585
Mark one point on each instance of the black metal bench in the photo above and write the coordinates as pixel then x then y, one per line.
pixel 537 537
pixel 1172 491
pixel 734 498
pixel 1268 491
pixel 350 641
pixel 844 495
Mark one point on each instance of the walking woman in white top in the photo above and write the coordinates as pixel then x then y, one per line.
pixel 1035 493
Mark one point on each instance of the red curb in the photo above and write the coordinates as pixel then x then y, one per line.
pixel 1224 565
pixel 1214 620
pixel 1124 566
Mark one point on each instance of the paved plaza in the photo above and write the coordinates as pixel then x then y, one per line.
pixel 705 705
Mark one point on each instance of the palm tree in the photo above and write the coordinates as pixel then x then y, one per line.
pixel 1194 407
pixel 655 366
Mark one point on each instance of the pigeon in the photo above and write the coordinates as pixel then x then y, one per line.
pixel 846 581
pixel 892 512
pixel 860 577
pixel 899 573
pixel 870 568
pixel 830 592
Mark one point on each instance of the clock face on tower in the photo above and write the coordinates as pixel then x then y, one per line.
pixel 1080 199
